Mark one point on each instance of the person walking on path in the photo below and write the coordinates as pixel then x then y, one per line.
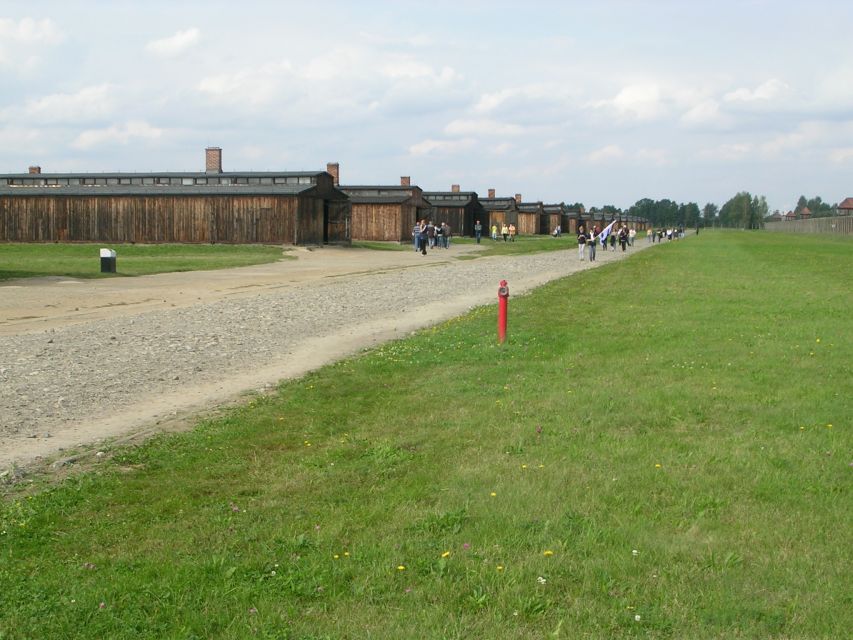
pixel 504 231
pixel 581 242
pixel 623 237
pixel 416 235
pixel 495 232
pixel 422 234
pixel 478 231
pixel 445 232
pixel 511 232
pixel 591 241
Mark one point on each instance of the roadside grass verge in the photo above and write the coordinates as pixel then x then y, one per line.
pixel 25 260
pixel 661 450
pixel 380 246
pixel 521 245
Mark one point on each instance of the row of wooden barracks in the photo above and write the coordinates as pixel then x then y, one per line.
pixel 270 207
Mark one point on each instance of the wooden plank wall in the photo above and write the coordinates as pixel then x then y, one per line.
pixel 496 218
pixel 190 219
pixel 454 216
pixel 389 222
pixel 553 222
pixel 528 224
pixel 837 224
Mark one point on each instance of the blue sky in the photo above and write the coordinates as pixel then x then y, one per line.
pixel 600 102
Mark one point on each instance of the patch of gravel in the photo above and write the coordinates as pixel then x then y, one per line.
pixel 80 372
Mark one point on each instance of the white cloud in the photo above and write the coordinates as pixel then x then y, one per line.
pixel 733 151
pixel 482 127
pixel 174 44
pixel 606 154
pixel 636 101
pixel 20 40
pixel 772 89
pixel 502 148
pixel 842 155
pixel 706 114
pixel 116 135
pixel 384 40
pixel 655 156
pixel 86 104
pixel 491 101
pixel 19 138
pixel 30 31
pixel 443 147
pixel 253 86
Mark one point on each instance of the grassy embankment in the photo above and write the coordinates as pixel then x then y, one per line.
pixel 489 247
pixel 20 260
pixel 662 449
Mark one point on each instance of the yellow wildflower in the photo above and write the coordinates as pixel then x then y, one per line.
pixel 446 554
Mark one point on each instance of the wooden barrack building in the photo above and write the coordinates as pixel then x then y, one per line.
pixel 386 212
pixel 274 207
pixel 459 209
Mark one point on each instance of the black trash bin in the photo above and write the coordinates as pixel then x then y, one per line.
pixel 108 261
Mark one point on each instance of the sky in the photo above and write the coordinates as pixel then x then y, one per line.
pixel 599 102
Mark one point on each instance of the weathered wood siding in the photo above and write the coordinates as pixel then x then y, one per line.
pixel 191 219
pixel 554 221
pixel 497 218
pixel 389 222
pixel 838 224
pixel 454 216
pixel 528 223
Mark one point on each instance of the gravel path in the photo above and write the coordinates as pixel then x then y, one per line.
pixel 76 384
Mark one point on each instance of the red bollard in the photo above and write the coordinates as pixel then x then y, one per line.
pixel 503 297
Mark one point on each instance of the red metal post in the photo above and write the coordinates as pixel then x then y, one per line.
pixel 503 297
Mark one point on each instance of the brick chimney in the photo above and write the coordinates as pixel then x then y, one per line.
pixel 454 188
pixel 405 181
pixel 334 168
pixel 491 193
pixel 35 169
pixel 518 198
pixel 213 160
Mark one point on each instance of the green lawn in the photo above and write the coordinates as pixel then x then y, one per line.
pixel 18 260
pixel 521 245
pixel 662 449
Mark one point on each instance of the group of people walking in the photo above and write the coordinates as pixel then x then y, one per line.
pixel 426 235
pixel 589 240
pixel 670 234
pixel 508 232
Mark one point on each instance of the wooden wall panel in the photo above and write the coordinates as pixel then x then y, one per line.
pixel 528 224
pixel 190 219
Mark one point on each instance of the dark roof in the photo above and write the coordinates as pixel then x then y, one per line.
pixel 158 190
pixel 498 204
pixel 530 207
pixel 159 183
pixel 379 194
pixel 166 174
pixel 371 199
pixel 449 198
pixel 554 208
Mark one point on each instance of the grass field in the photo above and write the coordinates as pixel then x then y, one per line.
pixel 662 449
pixel 522 245
pixel 18 260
